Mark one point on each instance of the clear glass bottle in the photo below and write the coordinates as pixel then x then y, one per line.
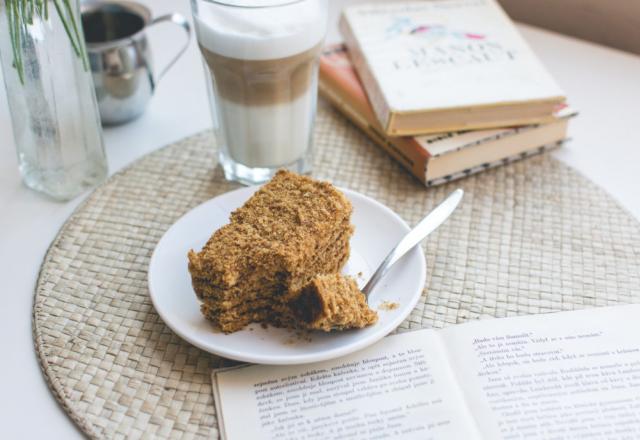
pixel 261 63
pixel 53 107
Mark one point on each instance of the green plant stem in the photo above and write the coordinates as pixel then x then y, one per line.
pixel 32 11
pixel 21 13
pixel 13 20
pixel 78 36
pixel 67 29
pixel 22 9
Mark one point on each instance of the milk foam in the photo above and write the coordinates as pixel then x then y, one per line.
pixel 261 33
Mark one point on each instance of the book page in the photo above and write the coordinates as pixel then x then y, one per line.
pixel 567 375
pixel 400 388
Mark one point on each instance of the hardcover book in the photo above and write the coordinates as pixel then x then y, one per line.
pixel 446 65
pixel 435 158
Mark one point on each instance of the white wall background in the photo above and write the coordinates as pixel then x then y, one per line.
pixel 614 23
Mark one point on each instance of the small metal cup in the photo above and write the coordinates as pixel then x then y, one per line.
pixel 120 56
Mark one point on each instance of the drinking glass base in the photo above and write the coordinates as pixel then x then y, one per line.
pixel 64 184
pixel 255 176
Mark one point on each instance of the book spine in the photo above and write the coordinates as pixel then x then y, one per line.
pixel 374 92
pixel 487 166
pixel 407 155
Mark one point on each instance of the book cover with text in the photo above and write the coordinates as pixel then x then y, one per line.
pixel 440 64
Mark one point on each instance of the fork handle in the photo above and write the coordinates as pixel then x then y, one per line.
pixel 426 226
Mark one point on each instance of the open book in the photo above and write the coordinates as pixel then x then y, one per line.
pixel 559 375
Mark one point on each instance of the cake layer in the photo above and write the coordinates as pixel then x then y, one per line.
pixel 234 252
pixel 263 311
pixel 273 295
pixel 278 230
pixel 233 321
pixel 333 302
pixel 329 258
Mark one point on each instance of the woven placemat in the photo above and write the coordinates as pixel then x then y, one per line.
pixel 530 237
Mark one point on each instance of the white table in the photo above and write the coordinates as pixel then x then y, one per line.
pixel 604 84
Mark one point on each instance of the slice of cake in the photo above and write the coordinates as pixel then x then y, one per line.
pixel 289 231
pixel 333 302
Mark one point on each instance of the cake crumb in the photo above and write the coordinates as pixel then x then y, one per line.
pixel 388 305
pixel 297 336
pixel 304 335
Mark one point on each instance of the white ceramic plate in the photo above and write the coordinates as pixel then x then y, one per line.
pixel 377 230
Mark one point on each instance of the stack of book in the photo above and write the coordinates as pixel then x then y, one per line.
pixel 447 87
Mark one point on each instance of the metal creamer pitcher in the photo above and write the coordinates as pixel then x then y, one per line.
pixel 120 56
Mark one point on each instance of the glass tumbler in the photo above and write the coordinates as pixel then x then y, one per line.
pixel 261 64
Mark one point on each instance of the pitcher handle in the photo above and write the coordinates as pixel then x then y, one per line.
pixel 177 19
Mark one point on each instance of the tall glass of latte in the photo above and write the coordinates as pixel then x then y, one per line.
pixel 261 62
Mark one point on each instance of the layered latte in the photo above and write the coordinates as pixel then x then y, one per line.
pixel 262 64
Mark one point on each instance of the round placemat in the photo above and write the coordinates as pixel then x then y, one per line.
pixel 530 237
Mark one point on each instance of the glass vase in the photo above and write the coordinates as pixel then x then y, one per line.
pixel 52 101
